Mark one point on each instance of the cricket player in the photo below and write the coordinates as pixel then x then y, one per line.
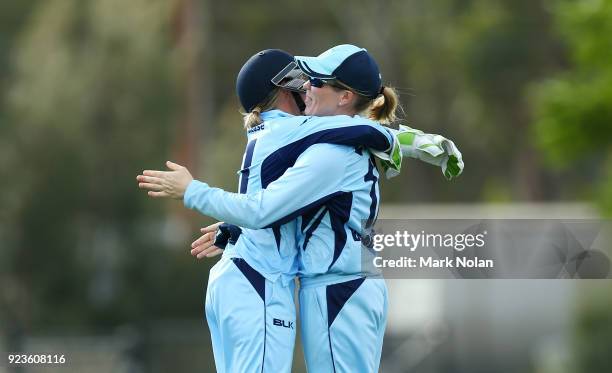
pixel 249 304
pixel 309 183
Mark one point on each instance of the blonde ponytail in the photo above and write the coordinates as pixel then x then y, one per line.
pixel 253 118
pixel 381 109
pixel 384 108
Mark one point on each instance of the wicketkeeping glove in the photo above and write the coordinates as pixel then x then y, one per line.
pixel 430 148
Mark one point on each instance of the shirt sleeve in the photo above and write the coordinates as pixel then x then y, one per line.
pixel 315 178
pixel 350 131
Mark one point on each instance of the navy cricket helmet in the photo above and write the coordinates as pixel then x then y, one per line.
pixel 254 81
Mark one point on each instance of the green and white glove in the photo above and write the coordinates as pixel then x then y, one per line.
pixel 429 148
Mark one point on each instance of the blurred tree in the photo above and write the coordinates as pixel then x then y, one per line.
pixel 91 101
pixel 506 45
pixel 573 110
pixel 573 125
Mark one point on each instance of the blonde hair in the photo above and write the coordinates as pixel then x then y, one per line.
pixel 253 118
pixel 384 108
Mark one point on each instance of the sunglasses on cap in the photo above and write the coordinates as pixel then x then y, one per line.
pixel 319 83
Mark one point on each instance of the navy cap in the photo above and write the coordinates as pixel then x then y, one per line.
pixel 253 83
pixel 347 63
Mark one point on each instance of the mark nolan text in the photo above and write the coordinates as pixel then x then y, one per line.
pixel 459 262
pixel 429 262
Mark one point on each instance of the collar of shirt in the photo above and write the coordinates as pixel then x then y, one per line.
pixel 273 114
pixel 269 117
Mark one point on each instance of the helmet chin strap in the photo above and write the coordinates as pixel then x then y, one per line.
pixel 298 101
